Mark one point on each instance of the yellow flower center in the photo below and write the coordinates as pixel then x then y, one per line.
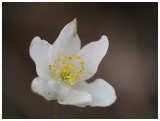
pixel 67 72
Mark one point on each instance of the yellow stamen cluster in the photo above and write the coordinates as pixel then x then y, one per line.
pixel 67 73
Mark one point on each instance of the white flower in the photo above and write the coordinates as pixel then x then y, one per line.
pixel 63 67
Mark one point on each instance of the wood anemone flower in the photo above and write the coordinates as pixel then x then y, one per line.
pixel 63 68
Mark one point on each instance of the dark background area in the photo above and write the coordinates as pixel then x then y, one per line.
pixel 130 65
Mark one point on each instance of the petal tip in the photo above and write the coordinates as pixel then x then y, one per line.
pixel 33 85
pixel 113 96
pixel 104 36
pixel 36 38
pixel 105 39
pixel 113 101
pixel 75 24
pixel 75 20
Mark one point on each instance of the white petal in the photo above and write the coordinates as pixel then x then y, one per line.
pixel 58 88
pixel 92 54
pixel 39 52
pixel 75 97
pixel 68 41
pixel 103 94
pixel 39 86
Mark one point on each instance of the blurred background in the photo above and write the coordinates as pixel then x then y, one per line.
pixel 130 65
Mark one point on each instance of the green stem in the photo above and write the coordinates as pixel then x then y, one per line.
pixel 57 110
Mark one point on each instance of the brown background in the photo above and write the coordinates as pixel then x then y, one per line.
pixel 130 66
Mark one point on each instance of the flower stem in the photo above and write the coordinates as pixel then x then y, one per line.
pixel 57 110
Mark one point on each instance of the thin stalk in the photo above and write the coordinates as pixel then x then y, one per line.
pixel 57 110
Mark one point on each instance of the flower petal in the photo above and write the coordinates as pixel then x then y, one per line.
pixel 39 86
pixel 58 88
pixel 39 52
pixel 92 54
pixel 103 94
pixel 68 41
pixel 75 97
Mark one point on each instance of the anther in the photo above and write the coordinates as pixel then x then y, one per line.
pixel 61 53
pixel 67 57
pixel 89 72
pixel 58 71
pixel 78 57
pixel 82 75
pixel 70 58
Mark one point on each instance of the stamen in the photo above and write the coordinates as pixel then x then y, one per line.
pixel 67 85
pixel 70 58
pixel 72 83
pixel 77 71
pixel 78 57
pixel 64 70
pixel 82 68
pixel 81 62
pixel 82 75
pixel 61 53
pixel 58 71
pixel 78 79
pixel 67 73
pixel 54 78
pixel 68 63
pixel 69 77
pixel 67 57
pixel 54 70
pixel 59 80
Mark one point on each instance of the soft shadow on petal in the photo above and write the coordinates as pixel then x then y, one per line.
pixel 58 88
pixel 103 94
pixel 39 86
pixel 92 54
pixel 75 97
pixel 39 52
pixel 67 42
